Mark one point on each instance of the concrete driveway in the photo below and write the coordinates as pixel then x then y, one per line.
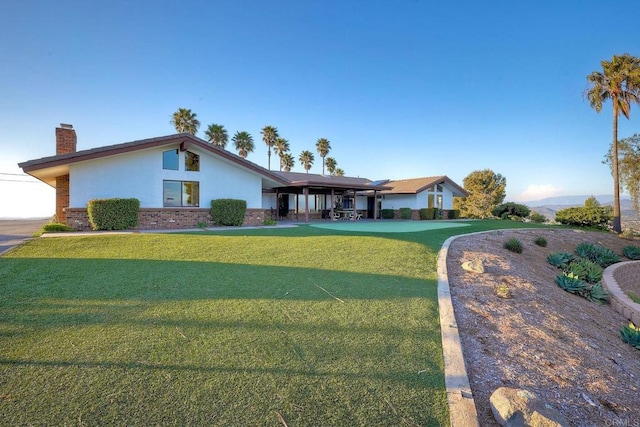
pixel 15 231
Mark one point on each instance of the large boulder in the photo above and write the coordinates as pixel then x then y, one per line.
pixel 514 407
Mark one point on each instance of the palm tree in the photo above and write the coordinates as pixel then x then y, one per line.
pixel 217 135
pixel 281 147
pixel 287 162
pixel 323 146
pixel 331 165
pixel 306 159
pixel 269 136
pixel 244 143
pixel 619 81
pixel 185 121
pixel 339 172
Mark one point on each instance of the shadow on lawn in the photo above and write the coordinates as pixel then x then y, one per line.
pixel 153 280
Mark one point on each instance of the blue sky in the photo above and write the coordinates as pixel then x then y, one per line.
pixel 402 88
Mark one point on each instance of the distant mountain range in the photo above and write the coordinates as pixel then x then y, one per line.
pixel 549 206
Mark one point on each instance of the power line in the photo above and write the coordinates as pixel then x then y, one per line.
pixel 13 174
pixel 19 180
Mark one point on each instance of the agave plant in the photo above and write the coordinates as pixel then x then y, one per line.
pixel 597 294
pixel 586 270
pixel 572 284
pixel 632 252
pixel 606 257
pixel 560 259
pixel 598 254
pixel 631 335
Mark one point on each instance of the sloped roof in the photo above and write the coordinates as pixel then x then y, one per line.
pixel 299 179
pixel 47 169
pixel 416 185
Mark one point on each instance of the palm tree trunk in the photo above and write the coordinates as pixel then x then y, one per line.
pixel 617 222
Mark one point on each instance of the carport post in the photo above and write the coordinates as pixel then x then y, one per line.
pixel 306 204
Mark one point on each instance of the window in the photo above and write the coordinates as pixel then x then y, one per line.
pixel 170 160
pixel 191 162
pixel 181 194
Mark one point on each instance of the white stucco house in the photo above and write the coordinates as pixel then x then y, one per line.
pixel 175 177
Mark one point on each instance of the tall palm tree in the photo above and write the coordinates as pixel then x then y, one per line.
pixel 244 143
pixel 281 147
pixel 331 165
pixel 269 136
pixel 619 81
pixel 217 135
pixel 339 172
pixel 185 121
pixel 287 162
pixel 323 146
pixel 306 159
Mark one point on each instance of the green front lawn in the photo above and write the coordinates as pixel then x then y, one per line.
pixel 252 327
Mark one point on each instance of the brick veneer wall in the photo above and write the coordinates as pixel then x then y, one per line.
pixel 165 218
pixel 62 198
pixel 619 276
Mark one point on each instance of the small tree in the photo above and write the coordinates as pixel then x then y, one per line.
pixel 486 190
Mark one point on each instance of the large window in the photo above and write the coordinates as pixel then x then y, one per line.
pixel 181 194
pixel 170 160
pixel 191 162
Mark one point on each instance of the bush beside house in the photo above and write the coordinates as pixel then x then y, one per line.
pixel 113 214
pixel 228 211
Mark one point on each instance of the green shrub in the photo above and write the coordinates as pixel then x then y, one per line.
pixel 228 211
pixel 560 260
pixel 269 221
pixel 509 210
pixel 113 214
pixel 631 335
pixel 405 213
pixel 514 245
pixel 632 252
pixel 386 213
pixel 541 241
pixel 56 227
pixel 453 214
pixel 537 218
pixel 427 213
pixel 590 215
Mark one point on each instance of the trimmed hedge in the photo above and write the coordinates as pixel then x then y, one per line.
pixel 453 214
pixel 386 213
pixel 228 211
pixel 113 214
pixel 427 213
pixel 405 213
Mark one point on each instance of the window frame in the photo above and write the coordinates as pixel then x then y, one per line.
pixel 182 193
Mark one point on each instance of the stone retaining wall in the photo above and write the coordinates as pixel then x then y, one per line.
pixel 619 277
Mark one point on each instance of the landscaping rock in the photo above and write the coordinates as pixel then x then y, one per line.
pixel 522 408
pixel 503 290
pixel 474 266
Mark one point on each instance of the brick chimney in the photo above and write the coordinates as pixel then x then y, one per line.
pixel 66 139
pixel 65 143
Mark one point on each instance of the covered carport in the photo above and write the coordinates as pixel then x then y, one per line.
pixel 305 185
